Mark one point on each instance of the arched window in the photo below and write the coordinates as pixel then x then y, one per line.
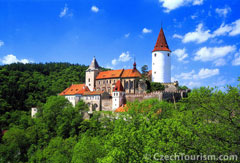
pixel 155 55
pixel 88 79
pixel 168 54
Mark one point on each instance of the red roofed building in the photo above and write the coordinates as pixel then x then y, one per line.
pixel 118 96
pixel 74 92
pixel 106 80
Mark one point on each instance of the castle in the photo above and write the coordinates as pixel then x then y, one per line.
pixel 109 90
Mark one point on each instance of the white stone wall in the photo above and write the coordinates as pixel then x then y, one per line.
pixel 73 99
pixel 161 66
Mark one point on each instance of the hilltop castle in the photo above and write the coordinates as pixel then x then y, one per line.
pixel 109 90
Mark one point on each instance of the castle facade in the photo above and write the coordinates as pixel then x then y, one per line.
pixel 109 90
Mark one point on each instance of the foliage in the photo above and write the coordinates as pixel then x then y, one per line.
pixel 182 87
pixel 153 86
pixel 207 122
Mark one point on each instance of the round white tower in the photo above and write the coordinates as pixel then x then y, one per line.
pixel 161 60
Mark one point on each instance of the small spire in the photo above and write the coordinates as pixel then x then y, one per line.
pixel 94 64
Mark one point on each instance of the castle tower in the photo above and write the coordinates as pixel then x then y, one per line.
pixel 118 96
pixel 161 60
pixel 91 74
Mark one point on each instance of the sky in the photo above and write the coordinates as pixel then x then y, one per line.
pixel 203 35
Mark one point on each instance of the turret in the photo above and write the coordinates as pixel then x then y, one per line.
pixel 118 96
pixel 91 74
pixel 161 60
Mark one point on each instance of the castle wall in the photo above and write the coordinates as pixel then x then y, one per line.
pixel 107 104
pixel 161 95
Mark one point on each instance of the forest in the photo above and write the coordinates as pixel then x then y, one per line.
pixel 207 122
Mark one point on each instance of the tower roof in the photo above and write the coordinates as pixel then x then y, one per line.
pixel 161 44
pixel 118 87
pixel 94 65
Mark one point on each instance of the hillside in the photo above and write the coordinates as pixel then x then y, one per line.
pixel 23 86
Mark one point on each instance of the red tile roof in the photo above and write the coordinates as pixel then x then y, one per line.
pixel 131 73
pixel 75 89
pixel 93 93
pixel 110 74
pixel 118 86
pixel 122 73
pixel 161 44
pixel 122 108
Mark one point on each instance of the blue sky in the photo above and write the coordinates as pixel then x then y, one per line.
pixel 203 35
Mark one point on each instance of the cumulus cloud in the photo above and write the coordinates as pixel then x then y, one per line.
pixel 236 61
pixel 124 57
pixel 222 12
pixel 64 11
pixel 199 35
pixel 206 73
pixel 222 30
pixel 212 53
pixel 94 9
pixel 177 36
pixel 10 58
pixel 235 28
pixel 145 30
pixel 174 4
pixel 1 43
pixel 181 54
pixel 202 74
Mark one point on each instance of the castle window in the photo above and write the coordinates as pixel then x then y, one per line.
pixel 153 63
pixel 110 81
pixel 89 84
pixel 155 55
pixel 99 82
pixel 88 79
pixel 155 72
pixel 103 81
pixel 168 54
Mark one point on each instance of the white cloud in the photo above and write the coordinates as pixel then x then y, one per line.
pixel 223 12
pixel 181 54
pixel 177 36
pixel 210 54
pixel 206 73
pixel 10 58
pixel 219 62
pixel 1 43
pixel 186 75
pixel 197 2
pixel 236 61
pixel 174 4
pixel 127 35
pixel 222 30
pixel 198 35
pixel 202 74
pixel 64 11
pixel 124 57
pixel 235 28
pixel 114 61
pixel 145 30
pixel 94 9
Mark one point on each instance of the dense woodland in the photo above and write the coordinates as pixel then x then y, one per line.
pixel 207 122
